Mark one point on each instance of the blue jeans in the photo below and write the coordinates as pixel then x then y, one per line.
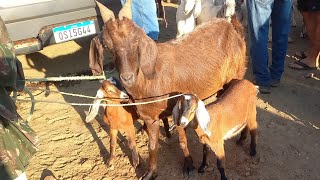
pixel 259 14
pixel 144 14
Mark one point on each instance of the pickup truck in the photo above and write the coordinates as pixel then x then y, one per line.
pixel 35 24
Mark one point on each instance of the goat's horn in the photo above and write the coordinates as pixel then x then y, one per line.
pixel 106 13
pixel 126 10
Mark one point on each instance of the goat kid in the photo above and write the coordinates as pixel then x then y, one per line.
pixel 232 113
pixel 118 118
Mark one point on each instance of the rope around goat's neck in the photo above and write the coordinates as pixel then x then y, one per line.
pixel 114 105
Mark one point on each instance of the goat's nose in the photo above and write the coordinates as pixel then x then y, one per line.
pixel 182 124
pixel 127 77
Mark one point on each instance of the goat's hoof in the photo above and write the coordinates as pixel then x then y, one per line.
pixel 253 152
pixel 135 159
pixel 202 168
pixel 149 175
pixel 110 163
pixel 188 167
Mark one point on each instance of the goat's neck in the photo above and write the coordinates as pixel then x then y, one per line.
pixel 201 134
pixel 203 137
pixel 149 87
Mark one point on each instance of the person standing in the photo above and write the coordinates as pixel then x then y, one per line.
pixel 18 142
pixel 259 14
pixel 310 11
pixel 144 14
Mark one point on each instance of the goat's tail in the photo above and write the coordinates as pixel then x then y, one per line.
pixel 237 25
pixel 93 111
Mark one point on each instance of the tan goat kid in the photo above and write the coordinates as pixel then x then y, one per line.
pixel 118 118
pixel 232 113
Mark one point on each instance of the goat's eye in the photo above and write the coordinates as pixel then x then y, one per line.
pixel 110 91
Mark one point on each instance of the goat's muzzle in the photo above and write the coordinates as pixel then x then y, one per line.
pixel 127 79
pixel 183 121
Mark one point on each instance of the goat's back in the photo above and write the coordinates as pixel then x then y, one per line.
pixel 235 107
pixel 214 53
pixel 238 89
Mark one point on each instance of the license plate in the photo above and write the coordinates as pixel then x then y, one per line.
pixel 73 31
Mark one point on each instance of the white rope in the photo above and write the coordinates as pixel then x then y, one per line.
pixel 64 93
pixel 71 78
pixel 77 95
pixel 90 104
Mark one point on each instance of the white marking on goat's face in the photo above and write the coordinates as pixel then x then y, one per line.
pixel 123 95
pixel 184 121
pixel 187 97
pixel 99 94
pixel 187 109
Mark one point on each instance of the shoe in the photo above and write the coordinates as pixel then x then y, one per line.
pixel 302 65
pixel 275 83
pixel 264 89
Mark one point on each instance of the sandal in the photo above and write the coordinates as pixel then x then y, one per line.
pixel 301 54
pixel 303 66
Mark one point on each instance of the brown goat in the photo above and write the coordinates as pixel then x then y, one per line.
pixel 233 112
pixel 201 63
pixel 118 118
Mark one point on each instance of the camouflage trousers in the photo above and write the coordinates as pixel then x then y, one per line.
pixel 17 140
pixel 17 144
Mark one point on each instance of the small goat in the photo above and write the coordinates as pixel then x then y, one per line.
pixel 233 112
pixel 118 118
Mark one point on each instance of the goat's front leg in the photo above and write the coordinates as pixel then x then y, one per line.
pixel 204 164
pixel 153 127
pixel 113 143
pixel 166 127
pixel 221 160
pixel 188 163
pixel 132 145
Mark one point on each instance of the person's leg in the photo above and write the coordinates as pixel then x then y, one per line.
pixel 258 25
pixel 312 23
pixel 281 14
pixel 306 19
pixel 144 15
pixel 317 43
pixel 312 59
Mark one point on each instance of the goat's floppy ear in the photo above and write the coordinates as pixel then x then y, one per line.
pixel 148 53
pixel 197 8
pixel 96 56
pixel 203 117
pixel 175 113
pixel 93 110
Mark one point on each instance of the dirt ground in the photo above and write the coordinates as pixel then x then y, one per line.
pixel 288 134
